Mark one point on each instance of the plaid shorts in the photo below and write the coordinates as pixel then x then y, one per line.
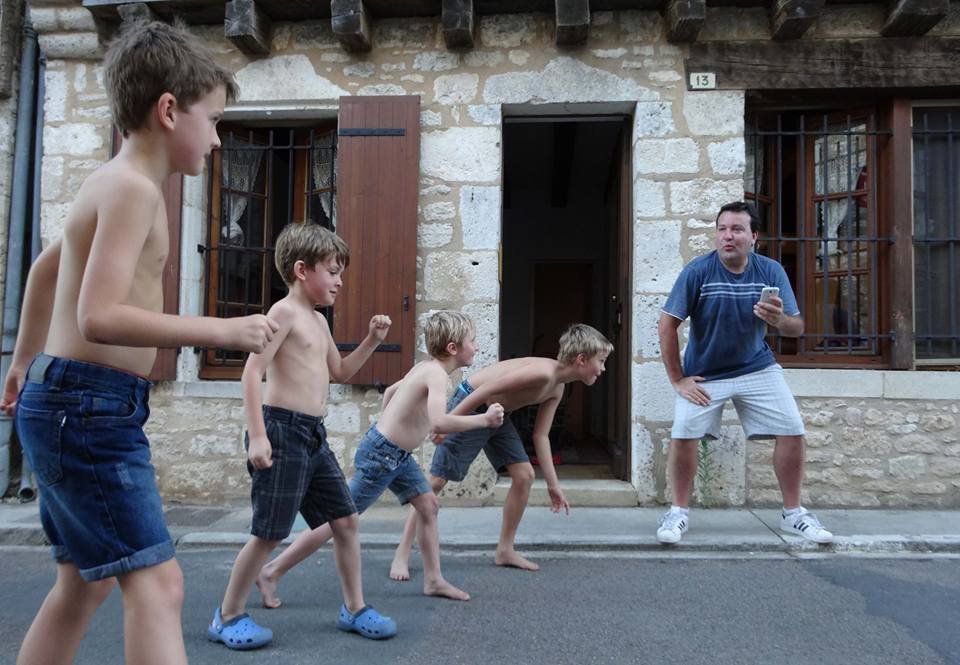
pixel 304 477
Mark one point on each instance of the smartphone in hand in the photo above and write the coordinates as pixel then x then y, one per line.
pixel 769 292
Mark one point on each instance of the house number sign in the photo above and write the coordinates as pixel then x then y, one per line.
pixel 703 81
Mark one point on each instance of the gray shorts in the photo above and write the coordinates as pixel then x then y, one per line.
pixel 762 399
pixel 453 457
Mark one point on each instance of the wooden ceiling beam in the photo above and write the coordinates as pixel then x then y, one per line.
pixel 458 19
pixel 573 22
pixel 807 64
pixel 684 19
pixel 137 11
pixel 351 24
pixel 790 19
pixel 247 26
pixel 913 18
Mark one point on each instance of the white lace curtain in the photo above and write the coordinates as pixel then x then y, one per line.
pixel 239 173
pixel 323 164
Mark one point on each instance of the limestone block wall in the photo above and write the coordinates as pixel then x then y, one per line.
pixel 8 123
pixel 688 160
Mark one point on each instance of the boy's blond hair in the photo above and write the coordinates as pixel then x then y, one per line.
pixel 310 243
pixel 581 338
pixel 444 327
pixel 148 59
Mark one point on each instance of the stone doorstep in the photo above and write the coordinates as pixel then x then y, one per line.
pixel 592 493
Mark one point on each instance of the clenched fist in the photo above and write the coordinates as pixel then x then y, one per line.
pixel 250 333
pixel 380 326
pixel 494 415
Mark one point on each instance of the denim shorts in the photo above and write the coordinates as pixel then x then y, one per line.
pixel 762 399
pixel 305 476
pixel 81 429
pixel 381 465
pixel 453 457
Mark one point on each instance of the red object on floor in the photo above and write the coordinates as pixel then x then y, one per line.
pixel 557 460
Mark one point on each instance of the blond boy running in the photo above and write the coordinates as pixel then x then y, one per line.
pixel 93 306
pixel 412 407
pixel 291 464
pixel 514 384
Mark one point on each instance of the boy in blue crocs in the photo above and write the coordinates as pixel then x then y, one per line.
pixel 412 407
pixel 92 321
pixel 292 467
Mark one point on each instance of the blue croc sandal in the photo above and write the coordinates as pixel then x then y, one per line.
pixel 367 622
pixel 241 632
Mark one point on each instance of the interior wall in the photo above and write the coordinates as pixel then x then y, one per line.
pixel 579 232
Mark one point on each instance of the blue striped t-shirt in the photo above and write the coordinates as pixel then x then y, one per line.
pixel 726 338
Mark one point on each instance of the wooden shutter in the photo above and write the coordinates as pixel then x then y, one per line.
pixel 378 172
pixel 165 366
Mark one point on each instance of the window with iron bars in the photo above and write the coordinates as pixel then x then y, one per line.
pixel 814 179
pixel 936 234
pixel 260 179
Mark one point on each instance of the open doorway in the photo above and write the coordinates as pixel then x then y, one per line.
pixel 566 259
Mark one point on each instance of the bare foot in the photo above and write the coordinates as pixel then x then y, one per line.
pixel 513 560
pixel 400 570
pixel 268 590
pixel 444 589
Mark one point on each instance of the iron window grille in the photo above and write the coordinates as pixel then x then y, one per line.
pixel 814 181
pixel 259 181
pixel 936 233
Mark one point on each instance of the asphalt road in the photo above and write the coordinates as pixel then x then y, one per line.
pixel 582 609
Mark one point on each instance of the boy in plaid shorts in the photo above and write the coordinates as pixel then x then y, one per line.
pixel 292 467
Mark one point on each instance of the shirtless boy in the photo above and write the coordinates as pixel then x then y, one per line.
pixel 289 459
pixel 94 307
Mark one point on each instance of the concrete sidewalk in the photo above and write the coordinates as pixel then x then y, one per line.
pixel 734 530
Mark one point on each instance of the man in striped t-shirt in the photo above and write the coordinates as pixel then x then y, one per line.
pixel 728 358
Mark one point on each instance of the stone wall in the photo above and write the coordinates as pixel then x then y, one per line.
pixel 688 160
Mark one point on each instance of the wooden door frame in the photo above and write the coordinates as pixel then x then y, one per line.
pixel 622 463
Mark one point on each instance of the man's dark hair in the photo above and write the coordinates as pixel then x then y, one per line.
pixel 742 206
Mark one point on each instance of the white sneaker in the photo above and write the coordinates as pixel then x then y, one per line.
pixel 807 525
pixel 673 525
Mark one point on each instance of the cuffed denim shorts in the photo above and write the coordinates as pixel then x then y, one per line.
pixel 381 465
pixel 453 457
pixel 81 429
pixel 762 399
pixel 305 476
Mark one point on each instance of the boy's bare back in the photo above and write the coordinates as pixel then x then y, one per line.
pixel 516 383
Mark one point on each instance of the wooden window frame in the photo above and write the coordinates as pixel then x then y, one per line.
pixel 884 172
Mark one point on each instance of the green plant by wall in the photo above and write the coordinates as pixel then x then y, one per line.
pixel 706 472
